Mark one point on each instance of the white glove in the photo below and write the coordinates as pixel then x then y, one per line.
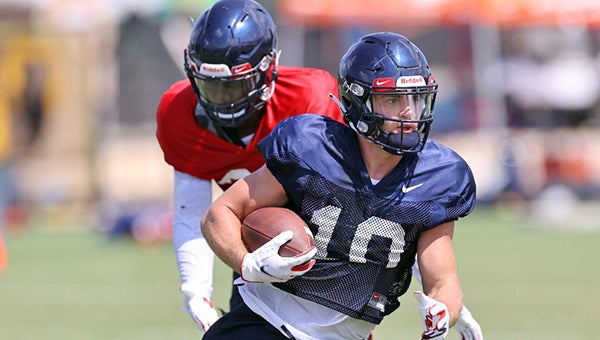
pixel 467 326
pixel 199 307
pixel 265 265
pixel 436 318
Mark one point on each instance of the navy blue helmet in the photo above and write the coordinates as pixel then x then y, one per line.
pixel 231 60
pixel 387 64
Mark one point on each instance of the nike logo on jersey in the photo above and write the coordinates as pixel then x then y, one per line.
pixel 406 189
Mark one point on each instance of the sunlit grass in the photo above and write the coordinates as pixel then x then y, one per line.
pixel 520 281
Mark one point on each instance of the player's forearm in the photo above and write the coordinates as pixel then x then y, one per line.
pixel 192 196
pixel 221 228
pixel 195 261
pixel 451 295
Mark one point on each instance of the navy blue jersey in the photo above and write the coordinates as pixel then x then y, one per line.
pixel 366 234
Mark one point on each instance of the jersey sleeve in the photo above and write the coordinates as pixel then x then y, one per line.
pixel 454 190
pixel 281 141
pixel 288 148
pixel 462 202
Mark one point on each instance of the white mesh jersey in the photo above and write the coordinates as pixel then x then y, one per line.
pixel 282 310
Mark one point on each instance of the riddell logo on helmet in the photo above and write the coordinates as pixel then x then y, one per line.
pixel 409 81
pixel 215 70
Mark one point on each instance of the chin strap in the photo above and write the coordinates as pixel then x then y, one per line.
pixel 404 141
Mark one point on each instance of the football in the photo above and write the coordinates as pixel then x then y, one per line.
pixel 263 224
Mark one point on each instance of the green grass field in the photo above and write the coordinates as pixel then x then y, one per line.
pixel 520 281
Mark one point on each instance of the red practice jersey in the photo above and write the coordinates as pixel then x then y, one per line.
pixel 194 150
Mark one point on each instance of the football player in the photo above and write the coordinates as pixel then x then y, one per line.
pixel 209 124
pixel 376 193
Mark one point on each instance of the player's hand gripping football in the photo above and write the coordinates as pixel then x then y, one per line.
pixel 199 307
pixel 266 265
pixel 436 319
pixel 467 326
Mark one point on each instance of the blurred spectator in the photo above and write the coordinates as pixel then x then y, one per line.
pixel 6 182
pixel 33 92
pixel 145 223
pixel 550 78
pixel 570 87
pixel 508 187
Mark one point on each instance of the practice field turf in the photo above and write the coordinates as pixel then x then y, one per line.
pixel 520 281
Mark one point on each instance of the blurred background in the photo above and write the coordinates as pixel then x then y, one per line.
pixel 80 81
